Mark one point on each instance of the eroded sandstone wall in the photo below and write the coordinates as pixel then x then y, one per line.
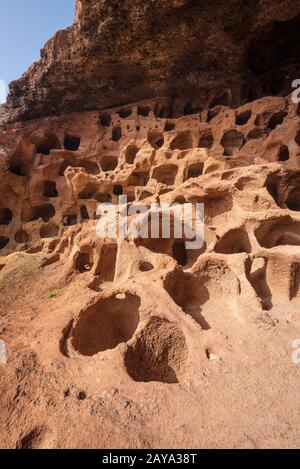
pixel 164 102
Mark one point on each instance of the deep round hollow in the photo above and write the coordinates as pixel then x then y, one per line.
pixel 183 141
pixel 84 213
pixel 165 174
pixel 243 117
pixel 234 242
pixel 144 111
pixel 50 189
pixel 46 212
pixel 293 200
pixel 49 231
pixel 206 140
pixel 195 170
pixel 130 154
pixel 17 168
pixel 283 153
pixel 156 139
pixel 124 113
pixel 232 140
pixel 89 191
pixel 276 119
pixel 169 126
pixel 179 252
pixel 116 134
pixel 70 220
pixel 71 142
pixel 90 167
pixel 118 190
pixel 106 324
pixel 6 216
pixel 146 266
pixel 195 293
pixel 49 142
pixel 213 113
pixel 3 241
pixel 21 237
pixel 281 232
pixel 180 200
pixel 159 354
pixel 140 178
pixel 256 133
pixel 163 110
pixel 105 120
pixel 83 262
pixel 109 162
pixel 271 187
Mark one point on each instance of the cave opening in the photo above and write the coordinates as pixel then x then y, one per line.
pixel 109 162
pixel 144 111
pixel 50 189
pixel 283 154
pixel 71 143
pixel 179 252
pixel 3 242
pixel 84 213
pixel 105 120
pixel 6 216
pixel 17 168
pixel 275 48
pixel 70 220
pixel 156 139
pixel 124 113
pixel 118 189
pixel 21 237
pixel 130 154
pixel 206 140
pixel 116 134
pixel 50 142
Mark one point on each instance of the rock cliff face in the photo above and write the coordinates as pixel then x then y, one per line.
pixel 144 342
pixel 197 53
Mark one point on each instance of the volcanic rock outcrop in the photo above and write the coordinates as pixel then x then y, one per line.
pixel 196 53
pixel 143 342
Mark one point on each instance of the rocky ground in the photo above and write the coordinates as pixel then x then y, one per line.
pixel 143 343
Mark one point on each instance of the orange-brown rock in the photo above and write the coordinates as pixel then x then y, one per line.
pixel 136 342
pixel 195 53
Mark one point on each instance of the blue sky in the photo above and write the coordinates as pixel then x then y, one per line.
pixel 25 26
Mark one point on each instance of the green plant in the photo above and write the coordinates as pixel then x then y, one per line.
pixel 53 293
